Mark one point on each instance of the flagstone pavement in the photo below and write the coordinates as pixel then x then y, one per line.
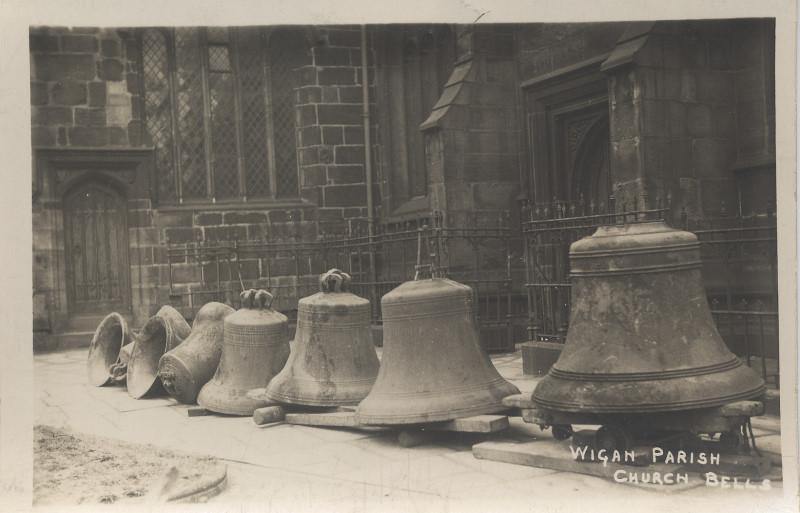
pixel 282 467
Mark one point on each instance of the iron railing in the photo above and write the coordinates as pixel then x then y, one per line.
pixel 477 255
pixel 739 270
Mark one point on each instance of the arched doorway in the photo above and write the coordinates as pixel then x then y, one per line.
pixel 96 249
pixel 591 179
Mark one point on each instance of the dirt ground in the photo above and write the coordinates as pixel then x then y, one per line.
pixel 71 468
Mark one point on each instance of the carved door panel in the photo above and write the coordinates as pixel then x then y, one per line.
pixel 96 247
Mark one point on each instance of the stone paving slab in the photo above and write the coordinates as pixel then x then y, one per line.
pixel 298 468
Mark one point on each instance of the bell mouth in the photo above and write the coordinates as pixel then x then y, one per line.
pixel 109 338
pixel 686 391
pixel 416 408
pixel 218 398
pixel 143 365
pixel 290 389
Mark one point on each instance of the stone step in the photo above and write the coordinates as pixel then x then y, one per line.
pixel 62 341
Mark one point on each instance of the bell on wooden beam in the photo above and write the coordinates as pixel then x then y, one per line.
pixel 161 333
pixel 433 366
pixel 641 337
pixel 185 369
pixel 255 349
pixel 109 351
pixel 333 360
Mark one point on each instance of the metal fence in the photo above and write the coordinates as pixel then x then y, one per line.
pixel 739 271
pixel 477 256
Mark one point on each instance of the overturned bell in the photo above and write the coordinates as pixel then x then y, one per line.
pixel 185 369
pixel 109 351
pixel 433 367
pixel 162 332
pixel 333 360
pixel 641 337
pixel 255 349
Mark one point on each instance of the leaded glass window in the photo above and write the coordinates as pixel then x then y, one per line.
pixel 217 101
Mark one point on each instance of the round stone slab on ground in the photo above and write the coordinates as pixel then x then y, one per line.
pixel 72 468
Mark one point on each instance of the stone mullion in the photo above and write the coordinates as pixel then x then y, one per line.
pixel 209 151
pixel 234 47
pixel 172 70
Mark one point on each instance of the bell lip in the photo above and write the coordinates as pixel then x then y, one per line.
pixel 358 392
pixel 633 405
pixel 240 403
pixel 484 403
pixel 423 418
pixel 94 375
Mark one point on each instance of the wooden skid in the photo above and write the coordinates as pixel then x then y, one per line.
pixel 328 419
pixel 347 418
pixel 475 424
pixel 554 455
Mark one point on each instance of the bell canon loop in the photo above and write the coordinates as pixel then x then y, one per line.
pixel 255 349
pixel 433 367
pixel 186 368
pixel 161 333
pixel 641 337
pixel 333 360
pixel 109 351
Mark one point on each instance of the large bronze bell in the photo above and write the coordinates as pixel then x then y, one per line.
pixel 185 369
pixel 161 333
pixel 333 360
pixel 433 367
pixel 255 349
pixel 109 351
pixel 641 337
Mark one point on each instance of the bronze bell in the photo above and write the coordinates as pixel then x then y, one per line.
pixel 333 360
pixel 186 368
pixel 641 337
pixel 255 349
pixel 161 333
pixel 109 351
pixel 433 367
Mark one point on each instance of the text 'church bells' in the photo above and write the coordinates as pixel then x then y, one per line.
pixel 333 360
pixel 161 333
pixel 433 366
pixel 641 337
pixel 109 351
pixel 185 369
pixel 255 349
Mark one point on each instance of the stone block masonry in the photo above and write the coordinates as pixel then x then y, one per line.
pixel 330 129
pixel 84 88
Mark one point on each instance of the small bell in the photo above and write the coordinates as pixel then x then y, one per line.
pixel 109 351
pixel 333 360
pixel 255 349
pixel 185 369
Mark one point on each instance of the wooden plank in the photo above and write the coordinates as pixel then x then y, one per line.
pixel 519 401
pixel 268 414
pixel 475 424
pixel 554 455
pixel 331 419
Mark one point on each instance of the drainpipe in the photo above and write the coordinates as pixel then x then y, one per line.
pixel 367 135
pixel 368 170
